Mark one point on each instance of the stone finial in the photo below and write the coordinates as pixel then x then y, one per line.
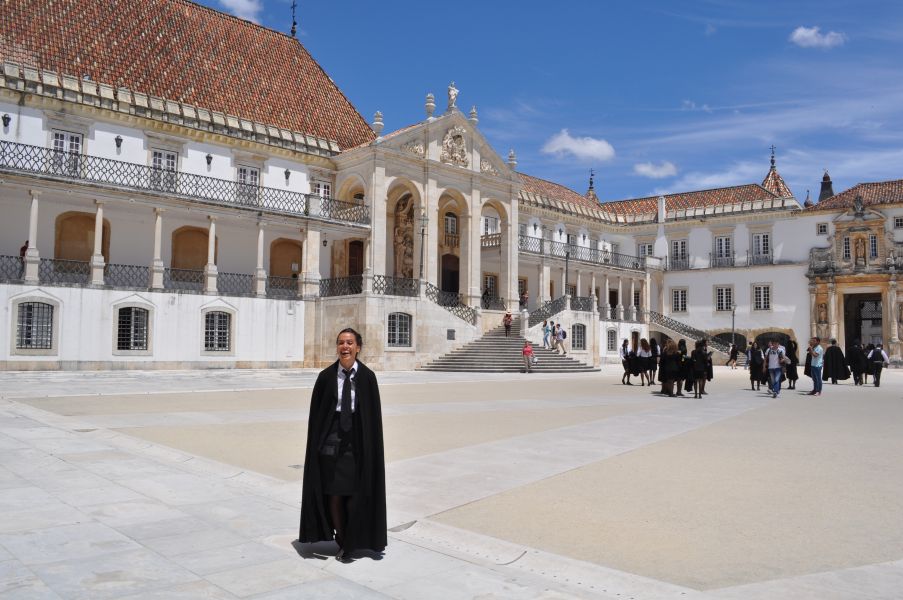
pixel 473 116
pixel 512 158
pixel 430 105
pixel 378 123
pixel 452 97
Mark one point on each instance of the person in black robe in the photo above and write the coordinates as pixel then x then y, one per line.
pixel 869 367
pixel 792 369
pixel 835 364
pixel 344 486
pixel 756 361
pixel 856 360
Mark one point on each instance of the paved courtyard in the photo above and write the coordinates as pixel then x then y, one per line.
pixel 187 485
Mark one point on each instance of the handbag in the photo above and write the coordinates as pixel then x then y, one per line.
pixel 533 360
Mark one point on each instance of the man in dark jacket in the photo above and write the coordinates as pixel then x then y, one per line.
pixel 857 361
pixel 835 365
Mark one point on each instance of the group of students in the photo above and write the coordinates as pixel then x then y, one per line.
pixel 677 370
pixel 553 333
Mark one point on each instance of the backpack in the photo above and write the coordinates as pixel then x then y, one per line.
pixel 564 334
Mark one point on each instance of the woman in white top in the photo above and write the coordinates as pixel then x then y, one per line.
pixel 644 357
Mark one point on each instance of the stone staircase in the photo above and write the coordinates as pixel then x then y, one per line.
pixel 495 353
pixel 691 334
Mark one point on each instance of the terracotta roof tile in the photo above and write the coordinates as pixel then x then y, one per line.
pixel 882 192
pixel 699 199
pixel 182 51
pixel 775 184
pixel 555 191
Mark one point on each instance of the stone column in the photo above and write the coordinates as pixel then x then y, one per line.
pixel 546 277
pixel 592 286
pixel 97 260
pixel 260 276
pixel 605 305
pixel 813 312
pixel 832 309
pixel 210 268
pixel 579 283
pixel 647 300
pixel 508 261
pixel 367 276
pixel 471 251
pixel 157 268
pixel 892 309
pixel 630 301
pixel 379 229
pixel 310 276
pixel 620 299
pixel 32 256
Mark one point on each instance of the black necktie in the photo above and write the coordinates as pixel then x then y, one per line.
pixel 345 417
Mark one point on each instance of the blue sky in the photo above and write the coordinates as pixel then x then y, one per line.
pixel 656 96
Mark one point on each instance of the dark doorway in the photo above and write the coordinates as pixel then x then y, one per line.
pixel 763 338
pixel 355 257
pixel 739 337
pixel 449 281
pixel 635 340
pixel 862 319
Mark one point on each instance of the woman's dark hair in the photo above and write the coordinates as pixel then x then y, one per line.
pixel 357 336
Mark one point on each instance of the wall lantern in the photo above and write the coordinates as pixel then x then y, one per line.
pixel 324 242
pixel 534 227
pixel 118 140
pixel 209 159
pixel 560 232
pixel 287 175
pixel 6 119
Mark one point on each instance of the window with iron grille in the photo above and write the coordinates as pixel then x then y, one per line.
pixel 873 246
pixel 248 182
pixel 67 147
pixel 451 223
pixel 898 222
pixel 217 331
pixel 724 298
pixel 761 297
pixel 636 298
pixel 679 300
pixel 578 336
pixel 612 340
pixel 34 329
pixel 821 229
pixel 399 330
pixel 846 248
pixel 131 333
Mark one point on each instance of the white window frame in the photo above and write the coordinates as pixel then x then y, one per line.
pixel 148 334
pixel 724 298
pixel 450 220
pixel 248 178
pixel 644 249
pixel 898 222
pixel 611 341
pixel 490 225
pixel 54 327
pixel 873 246
pixel 578 336
pixel 68 147
pixel 164 166
pixel 679 300
pixel 761 243
pixel 821 229
pixel 321 188
pixel 636 298
pixel 399 330
pixel 761 297
pixel 491 283
pixel 680 249
pixel 233 328
pixel 847 250
pixel 724 246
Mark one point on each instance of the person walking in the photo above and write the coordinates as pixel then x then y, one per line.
pixel 775 358
pixel 699 364
pixel 878 358
pixel 685 375
pixel 343 493
pixel 528 357
pixel 869 368
pixel 792 371
pixel 653 359
pixel 624 353
pixel 506 321
pixel 559 340
pixel 816 360
pixel 835 367
pixel 732 357
pixel 756 360
pixel 856 361
pixel 546 330
pixel 669 367
pixel 643 356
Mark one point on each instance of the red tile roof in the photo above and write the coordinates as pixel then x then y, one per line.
pixel 774 183
pixel 554 191
pixel 182 51
pixel 881 192
pixel 703 198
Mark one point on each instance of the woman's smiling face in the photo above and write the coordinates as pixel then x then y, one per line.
pixel 347 348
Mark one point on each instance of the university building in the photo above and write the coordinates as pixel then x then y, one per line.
pixel 184 189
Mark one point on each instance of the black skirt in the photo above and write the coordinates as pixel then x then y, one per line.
pixel 338 468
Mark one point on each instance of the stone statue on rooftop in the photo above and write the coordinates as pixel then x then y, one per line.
pixel 452 96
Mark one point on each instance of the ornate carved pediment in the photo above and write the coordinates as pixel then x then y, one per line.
pixel 454 147
pixel 487 167
pixel 414 147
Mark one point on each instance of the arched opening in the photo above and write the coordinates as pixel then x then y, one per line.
pixel 74 237
pixel 763 338
pixel 727 337
pixel 450 275
pixel 189 248
pixel 285 258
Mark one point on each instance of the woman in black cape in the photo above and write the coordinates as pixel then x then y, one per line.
pixel 857 361
pixel 792 372
pixel 756 360
pixel 344 486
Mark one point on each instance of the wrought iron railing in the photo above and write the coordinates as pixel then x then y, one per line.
pixel 534 245
pixel 396 286
pixel 548 309
pixel 721 261
pixel 12 268
pixel 691 333
pixel 491 240
pixel 341 286
pixel 235 284
pixel 678 263
pixel 52 163
pixel 282 287
pixel 52 270
pixel 126 276
pixel 451 302
pixel 183 279
pixel 584 303
pixel 488 302
pixel 452 240
pixel 613 313
pixel 760 259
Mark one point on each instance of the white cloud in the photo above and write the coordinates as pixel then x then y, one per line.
pixel 582 148
pixel 653 171
pixel 690 105
pixel 811 37
pixel 244 9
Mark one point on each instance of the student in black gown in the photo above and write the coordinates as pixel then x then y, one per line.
pixel 835 364
pixel 344 487
pixel 856 359
pixel 756 360
pixel 792 369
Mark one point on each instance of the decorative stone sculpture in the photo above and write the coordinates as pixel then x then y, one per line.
pixel 822 313
pixel 414 147
pixel 430 105
pixel 403 237
pixel 512 159
pixel 858 207
pixel 377 123
pixel 473 116
pixel 486 167
pixel 452 96
pixel 860 251
pixel 454 147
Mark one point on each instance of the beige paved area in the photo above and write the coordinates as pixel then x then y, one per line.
pixel 500 486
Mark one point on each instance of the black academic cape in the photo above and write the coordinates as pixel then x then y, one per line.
pixel 835 365
pixel 366 527
pixel 857 360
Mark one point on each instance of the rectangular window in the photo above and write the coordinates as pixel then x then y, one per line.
pixel 67 147
pixel 399 330
pixel 522 229
pixel 217 331
pixel 521 286
pixel 615 248
pixel 248 182
pixel 490 225
pixel 846 248
pixel 761 297
pixel 132 330
pixel 323 189
pixel 572 239
pixel 636 298
pixel 762 244
pixel 572 290
pixel 724 298
pixel 723 246
pixel 873 246
pixel 679 300
pixel 679 249
pixel 644 249
pixel 612 340
pixel 578 336
pixel 821 229
pixel 898 222
pixel 490 284
pixel 34 326
pixel 163 169
pixel 451 224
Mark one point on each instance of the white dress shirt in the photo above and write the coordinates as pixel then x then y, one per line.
pixel 341 382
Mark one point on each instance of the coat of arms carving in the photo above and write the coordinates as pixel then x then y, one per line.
pixel 454 147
